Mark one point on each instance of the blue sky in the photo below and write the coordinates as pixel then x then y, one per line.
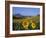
pixel 26 11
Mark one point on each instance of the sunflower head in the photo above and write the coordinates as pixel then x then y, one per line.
pixel 25 23
pixel 33 24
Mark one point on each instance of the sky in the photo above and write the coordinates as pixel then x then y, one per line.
pixel 26 11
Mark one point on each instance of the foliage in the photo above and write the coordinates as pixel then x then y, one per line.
pixel 27 23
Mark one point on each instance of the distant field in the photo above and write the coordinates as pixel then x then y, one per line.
pixel 36 18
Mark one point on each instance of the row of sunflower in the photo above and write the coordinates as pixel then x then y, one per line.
pixel 26 25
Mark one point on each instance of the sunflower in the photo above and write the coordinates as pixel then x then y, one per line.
pixel 25 24
pixel 33 24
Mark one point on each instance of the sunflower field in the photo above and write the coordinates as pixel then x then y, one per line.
pixel 26 23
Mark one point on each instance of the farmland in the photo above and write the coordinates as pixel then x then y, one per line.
pixel 26 23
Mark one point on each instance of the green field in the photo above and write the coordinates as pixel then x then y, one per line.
pixel 26 23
